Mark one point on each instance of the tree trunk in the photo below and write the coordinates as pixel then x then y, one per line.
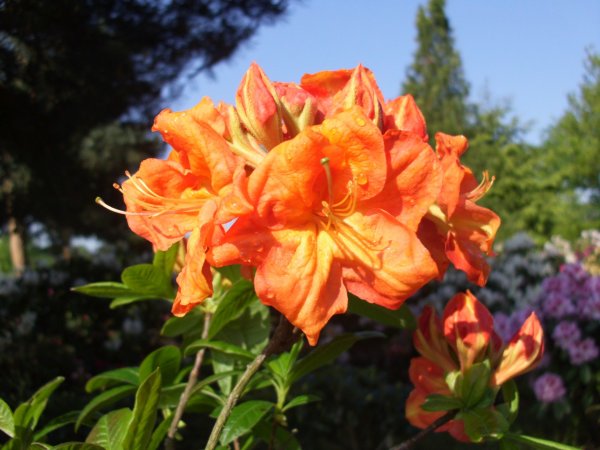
pixel 16 245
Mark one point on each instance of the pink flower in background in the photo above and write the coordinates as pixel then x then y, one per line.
pixel 549 388
pixel 583 351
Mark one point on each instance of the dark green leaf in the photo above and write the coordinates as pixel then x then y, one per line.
pixel 483 424
pixel 128 375
pixel 400 318
pixel 510 405
pixel 176 326
pixel 111 429
pixel 283 437
pixel 146 279
pixel 159 433
pixel 166 260
pixel 224 347
pixel 104 289
pixel 325 354
pixel 168 358
pixel 541 444
pixel 301 400
pixel 78 446
pixel 231 306
pixel 438 402
pixel 28 413
pixel 56 423
pixel 243 418
pixel 123 301
pixel 7 423
pixel 141 426
pixel 36 446
pixel 103 400
pixel 475 383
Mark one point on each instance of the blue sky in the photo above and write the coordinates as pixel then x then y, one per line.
pixel 527 52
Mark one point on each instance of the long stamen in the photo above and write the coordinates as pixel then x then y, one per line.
pixel 484 186
pixel 325 164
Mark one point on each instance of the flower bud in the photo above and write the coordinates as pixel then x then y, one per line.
pixel 362 90
pixel 298 107
pixel 523 352
pixel 259 107
pixel 429 340
pixel 468 327
pixel 402 113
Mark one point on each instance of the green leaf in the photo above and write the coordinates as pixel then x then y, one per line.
pixel 168 358
pixel 176 326
pixel 400 318
pixel 475 384
pixel 111 429
pixel 281 365
pixel 249 331
pixel 7 423
pixel 483 424
pixel 327 353
pixel 37 446
pixel 541 444
pixel 166 260
pixel 232 306
pixel 123 301
pixel 219 346
pixel 158 436
pixel 283 437
pixel 140 428
pixel 104 289
pixel 56 423
pixel 301 400
pixel 147 279
pixel 438 402
pixel 510 406
pixel 28 413
pixel 78 446
pixel 128 375
pixel 103 400
pixel 243 418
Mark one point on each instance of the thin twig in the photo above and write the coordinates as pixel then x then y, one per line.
pixel 410 443
pixel 282 339
pixel 185 395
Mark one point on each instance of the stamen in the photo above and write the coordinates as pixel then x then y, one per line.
pixel 484 186
pixel 325 164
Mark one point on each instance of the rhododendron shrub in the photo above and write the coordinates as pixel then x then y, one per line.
pixel 313 198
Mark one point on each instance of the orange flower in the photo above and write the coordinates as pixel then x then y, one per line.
pixel 320 227
pixel 464 230
pixel 469 338
pixel 168 199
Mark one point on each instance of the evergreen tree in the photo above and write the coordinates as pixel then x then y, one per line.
pixel 436 79
pixel 79 84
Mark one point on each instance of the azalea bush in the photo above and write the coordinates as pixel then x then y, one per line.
pixel 298 203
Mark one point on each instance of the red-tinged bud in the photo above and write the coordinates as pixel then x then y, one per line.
pixel 298 107
pixel 427 376
pixel 429 340
pixel 402 113
pixel 362 90
pixel 468 327
pixel 259 107
pixel 416 415
pixel 523 352
pixel 242 143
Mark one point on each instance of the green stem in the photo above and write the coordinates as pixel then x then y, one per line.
pixel 282 338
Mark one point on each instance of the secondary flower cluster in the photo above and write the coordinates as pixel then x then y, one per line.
pixel 464 363
pixel 330 189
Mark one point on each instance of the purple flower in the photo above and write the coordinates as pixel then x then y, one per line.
pixel 566 333
pixel 583 351
pixel 549 388
pixel 502 325
pixel 589 304
pixel 557 305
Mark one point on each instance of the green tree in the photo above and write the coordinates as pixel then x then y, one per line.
pixel 79 84
pixel 572 155
pixel 436 78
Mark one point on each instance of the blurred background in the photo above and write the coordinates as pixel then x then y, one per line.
pixel 80 83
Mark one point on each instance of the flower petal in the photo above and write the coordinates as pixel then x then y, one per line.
pixel 427 376
pixel 402 113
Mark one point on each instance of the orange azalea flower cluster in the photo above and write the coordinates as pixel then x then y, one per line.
pixel 331 189
pixel 464 337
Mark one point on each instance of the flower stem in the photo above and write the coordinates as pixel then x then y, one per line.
pixel 185 395
pixel 410 443
pixel 283 337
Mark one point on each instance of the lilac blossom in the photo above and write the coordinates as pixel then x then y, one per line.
pixel 549 388
pixel 566 333
pixel 582 351
pixel 557 305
